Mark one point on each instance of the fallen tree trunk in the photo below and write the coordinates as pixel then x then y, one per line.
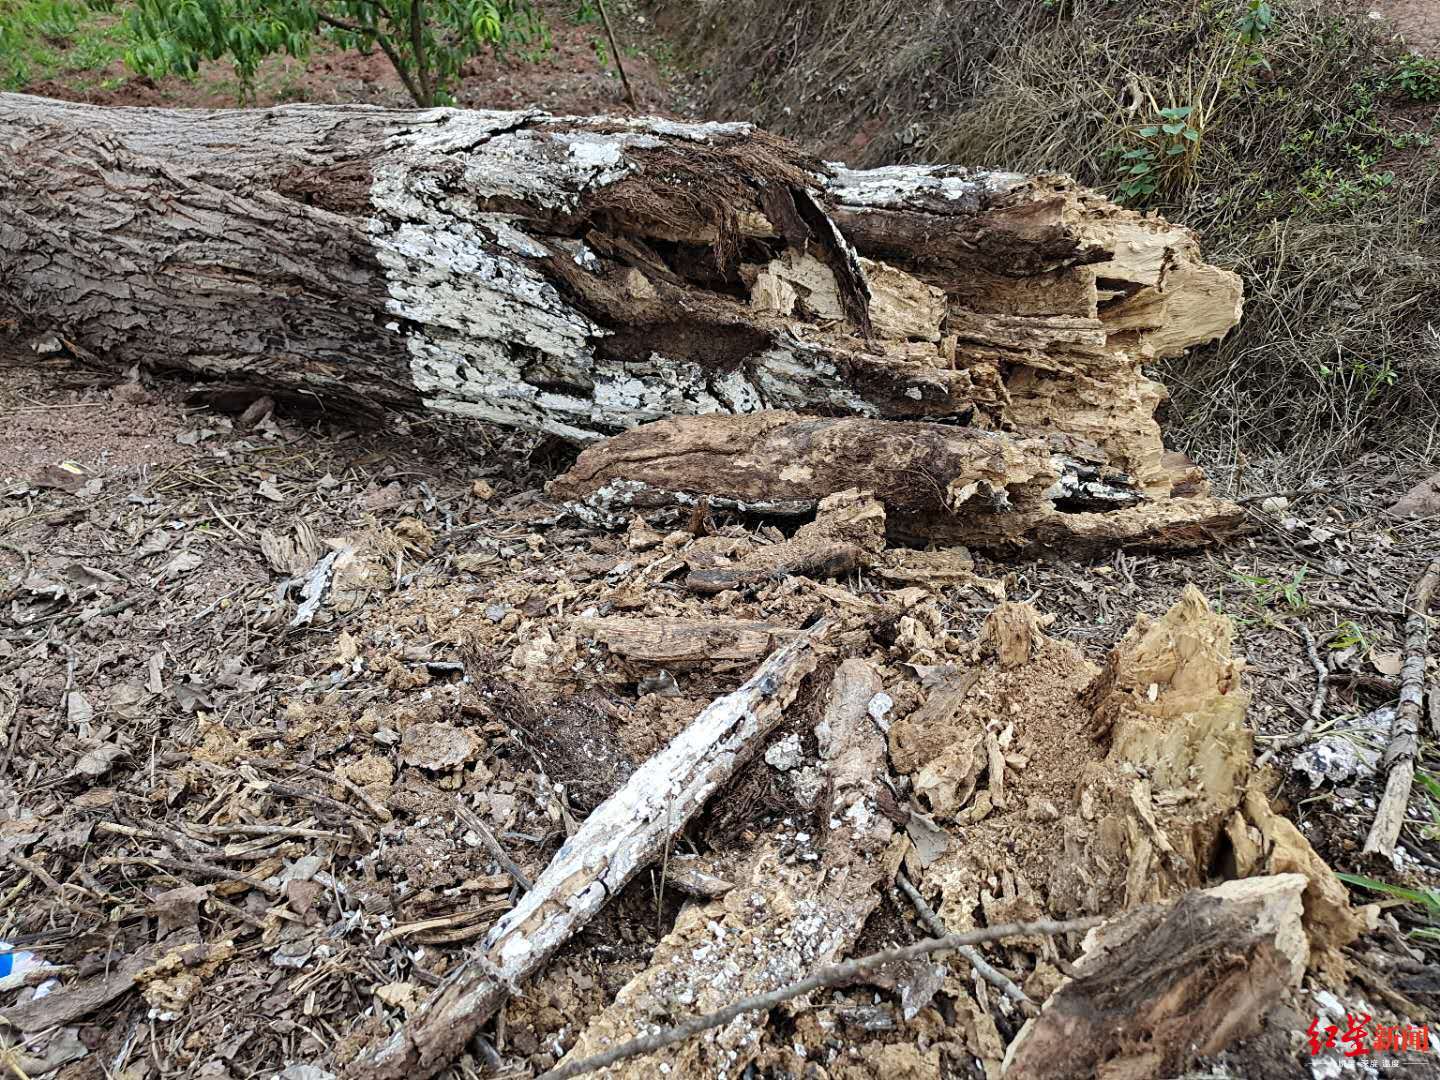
pixel 585 276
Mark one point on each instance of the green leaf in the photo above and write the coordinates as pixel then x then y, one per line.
pixel 1192 134
pixel 1175 151
pixel 1149 132
pixel 1172 129
pixel 1178 112
pixel 1399 892
pixel 1429 783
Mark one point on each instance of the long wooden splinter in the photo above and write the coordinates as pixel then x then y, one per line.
pixel 623 835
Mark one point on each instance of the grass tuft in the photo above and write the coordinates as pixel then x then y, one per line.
pixel 1297 138
pixel 41 39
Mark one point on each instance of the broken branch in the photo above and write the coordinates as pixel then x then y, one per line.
pixel 1399 756
pixel 621 837
pixel 937 482
pixel 1322 682
pixel 835 975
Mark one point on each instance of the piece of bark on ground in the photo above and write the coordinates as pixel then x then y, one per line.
pixel 1160 986
pixel 801 898
pixel 622 836
pixel 584 275
pixel 81 999
pixel 847 533
pixel 940 483
pixel 679 643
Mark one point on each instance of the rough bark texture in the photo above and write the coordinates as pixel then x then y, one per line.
pixel 585 276
pixel 1159 987
pixel 937 482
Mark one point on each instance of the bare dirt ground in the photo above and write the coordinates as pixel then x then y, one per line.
pixel 1417 21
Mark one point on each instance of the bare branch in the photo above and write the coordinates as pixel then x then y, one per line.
pixel 835 975
pixel 387 47
pixel 994 976
pixel 1399 756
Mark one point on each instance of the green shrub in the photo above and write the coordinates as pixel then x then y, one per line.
pixel 1417 78
pixel 426 41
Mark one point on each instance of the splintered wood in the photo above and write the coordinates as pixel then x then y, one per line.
pixel 800 901
pixel 1058 787
pixel 618 840
pixel 586 276
pixel 1161 984
pixel 938 483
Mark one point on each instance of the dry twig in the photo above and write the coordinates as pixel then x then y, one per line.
pixel 1399 759
pixel 1317 701
pixel 835 975
pixel 994 976
pixel 615 52
pixel 1322 681
pixel 492 845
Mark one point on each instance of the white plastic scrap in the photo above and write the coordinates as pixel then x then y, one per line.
pixel 1351 752
pixel 16 965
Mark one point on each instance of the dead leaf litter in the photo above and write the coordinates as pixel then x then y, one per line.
pixel 292 716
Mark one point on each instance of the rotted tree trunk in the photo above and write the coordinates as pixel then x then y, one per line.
pixel 583 277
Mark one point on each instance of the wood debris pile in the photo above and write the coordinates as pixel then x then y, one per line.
pixel 775 756
pixel 694 731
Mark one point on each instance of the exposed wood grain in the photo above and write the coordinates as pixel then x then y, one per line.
pixel 619 839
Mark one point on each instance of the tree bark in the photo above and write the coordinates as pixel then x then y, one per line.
pixel 620 838
pixel 938 483
pixel 583 276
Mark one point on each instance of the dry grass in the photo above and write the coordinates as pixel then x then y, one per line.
pixel 1311 175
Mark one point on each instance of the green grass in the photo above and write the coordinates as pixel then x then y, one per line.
pixel 49 39
pixel 1427 900
pixel 1295 135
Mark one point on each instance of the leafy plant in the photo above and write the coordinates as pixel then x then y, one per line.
pixel 1429 782
pixel 426 41
pixel 1417 78
pixel 1363 377
pixel 1171 146
pixel 1427 899
pixel 1267 591
pixel 1348 634
pixel 1256 22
